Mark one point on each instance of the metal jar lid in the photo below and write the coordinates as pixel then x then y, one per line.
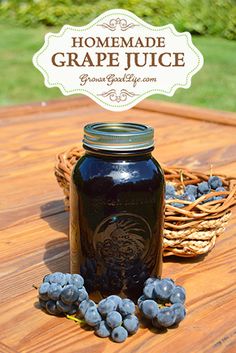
pixel 121 137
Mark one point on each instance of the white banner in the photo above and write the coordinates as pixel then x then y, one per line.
pixel 118 60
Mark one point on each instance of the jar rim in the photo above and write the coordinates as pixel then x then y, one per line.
pixel 118 136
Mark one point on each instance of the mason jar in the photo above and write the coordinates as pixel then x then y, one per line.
pixel 117 205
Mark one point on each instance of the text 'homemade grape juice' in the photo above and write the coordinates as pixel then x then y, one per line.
pixel 117 196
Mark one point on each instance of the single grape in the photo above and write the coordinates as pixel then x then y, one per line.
pixel 180 312
pixel 92 316
pixel 54 291
pixel 43 290
pixel 148 290
pixel 82 295
pixel 203 188
pixel 214 182
pixel 69 294
pixel 84 305
pixel 116 299
pixel 191 190
pixel 58 277
pixel 76 280
pixel 106 305
pixel 51 307
pixel 178 295
pixel 164 289
pixel 114 319
pixel 149 309
pixel 64 308
pixel 102 330
pixel 131 324
pixel 119 334
pixel 126 307
pixel 166 316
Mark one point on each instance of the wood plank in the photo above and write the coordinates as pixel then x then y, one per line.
pixel 181 110
pixel 187 111
pixel 44 106
pixel 6 349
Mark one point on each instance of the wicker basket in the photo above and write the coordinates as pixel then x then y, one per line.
pixel 188 231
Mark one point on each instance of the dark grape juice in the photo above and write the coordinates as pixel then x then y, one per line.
pixel 117 209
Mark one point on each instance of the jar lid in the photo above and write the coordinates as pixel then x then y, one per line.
pixel 121 137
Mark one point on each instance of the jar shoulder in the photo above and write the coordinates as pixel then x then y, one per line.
pixel 91 167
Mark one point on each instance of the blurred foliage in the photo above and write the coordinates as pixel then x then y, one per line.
pixel 212 17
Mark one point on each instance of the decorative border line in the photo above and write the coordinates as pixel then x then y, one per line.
pixel 116 97
pixel 121 22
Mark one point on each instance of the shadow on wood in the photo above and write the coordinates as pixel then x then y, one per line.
pixel 56 256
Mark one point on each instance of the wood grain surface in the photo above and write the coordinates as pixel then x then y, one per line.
pixel 34 227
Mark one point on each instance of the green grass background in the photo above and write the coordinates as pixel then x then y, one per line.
pixel 213 87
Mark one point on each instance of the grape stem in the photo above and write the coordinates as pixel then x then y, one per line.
pixel 182 178
pixel 73 318
pixel 211 170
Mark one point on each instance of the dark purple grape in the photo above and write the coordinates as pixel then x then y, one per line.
pixel 126 307
pixel 43 291
pixel 131 324
pixel 51 307
pixel 54 291
pixel 166 316
pixel 149 308
pixel 119 334
pixel 114 319
pixel 214 182
pixel 178 295
pixel 69 294
pixel 92 316
pixel 102 330
pixel 163 289
pixel 105 306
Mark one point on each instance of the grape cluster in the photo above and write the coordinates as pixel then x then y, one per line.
pixel 62 293
pixel 112 317
pixel 162 302
pixel 193 192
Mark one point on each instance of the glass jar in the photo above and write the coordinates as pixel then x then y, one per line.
pixel 117 204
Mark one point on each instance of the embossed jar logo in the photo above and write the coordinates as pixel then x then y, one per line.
pixel 118 60
pixel 122 239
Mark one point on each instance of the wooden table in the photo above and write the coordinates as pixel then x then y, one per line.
pixel 35 227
